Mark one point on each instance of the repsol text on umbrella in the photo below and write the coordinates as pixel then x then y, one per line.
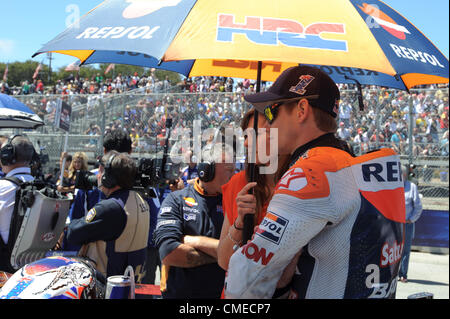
pixel 143 32
pixel 411 54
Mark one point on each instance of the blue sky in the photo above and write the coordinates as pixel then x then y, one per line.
pixel 26 25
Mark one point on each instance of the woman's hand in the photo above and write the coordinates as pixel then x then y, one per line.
pixel 246 204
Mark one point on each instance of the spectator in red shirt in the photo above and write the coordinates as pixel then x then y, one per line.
pixel 40 87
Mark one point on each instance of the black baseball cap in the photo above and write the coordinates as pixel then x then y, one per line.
pixel 300 82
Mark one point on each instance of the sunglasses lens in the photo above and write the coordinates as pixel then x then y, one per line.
pixel 268 114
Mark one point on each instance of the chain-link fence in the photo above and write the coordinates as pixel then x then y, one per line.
pixel 415 125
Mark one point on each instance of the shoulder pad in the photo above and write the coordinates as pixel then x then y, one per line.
pixel 306 178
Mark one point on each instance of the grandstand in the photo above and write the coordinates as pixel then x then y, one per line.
pixel 390 119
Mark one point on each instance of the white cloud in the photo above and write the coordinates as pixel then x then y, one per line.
pixel 6 48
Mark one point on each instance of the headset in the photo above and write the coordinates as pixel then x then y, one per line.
pixel 109 179
pixel 8 152
pixel 206 171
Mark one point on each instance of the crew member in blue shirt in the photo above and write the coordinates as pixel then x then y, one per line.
pixel 190 173
pixel 188 230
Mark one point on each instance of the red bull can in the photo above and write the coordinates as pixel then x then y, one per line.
pixel 118 287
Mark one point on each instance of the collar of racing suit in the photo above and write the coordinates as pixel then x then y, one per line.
pixel 325 140
pixel 201 190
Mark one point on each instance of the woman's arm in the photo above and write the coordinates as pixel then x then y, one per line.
pixel 231 235
pixel 226 244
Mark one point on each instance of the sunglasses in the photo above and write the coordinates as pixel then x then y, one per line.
pixel 271 111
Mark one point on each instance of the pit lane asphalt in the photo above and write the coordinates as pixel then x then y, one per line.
pixel 428 272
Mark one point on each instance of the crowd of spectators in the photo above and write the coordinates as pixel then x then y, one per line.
pixel 98 84
pixel 386 121
pixel 218 102
pixel 145 120
pixel 146 83
pixel 204 84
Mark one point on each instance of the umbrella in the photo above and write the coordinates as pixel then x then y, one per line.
pixel 228 38
pixel 15 114
pixel 258 39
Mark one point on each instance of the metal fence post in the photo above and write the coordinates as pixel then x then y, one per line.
pixel 410 131
pixel 377 124
pixel 100 145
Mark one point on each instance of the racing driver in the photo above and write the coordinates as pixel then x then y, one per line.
pixel 346 213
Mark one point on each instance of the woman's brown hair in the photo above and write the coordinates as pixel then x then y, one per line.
pixel 262 190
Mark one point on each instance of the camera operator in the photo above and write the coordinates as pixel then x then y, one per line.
pixel 114 233
pixel 187 176
pixel 16 155
pixel 190 173
pixel 117 140
pixel 188 231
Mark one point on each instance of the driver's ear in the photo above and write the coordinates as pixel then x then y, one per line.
pixel 302 110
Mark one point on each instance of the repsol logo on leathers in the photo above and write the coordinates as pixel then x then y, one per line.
pixel 382 172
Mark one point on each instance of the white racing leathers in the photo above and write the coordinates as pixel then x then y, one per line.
pixel 347 213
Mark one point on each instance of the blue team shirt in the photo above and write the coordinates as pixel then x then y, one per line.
pixel 86 200
pixel 189 173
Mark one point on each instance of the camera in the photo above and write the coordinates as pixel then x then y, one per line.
pixel 85 180
pixel 38 161
pixel 153 172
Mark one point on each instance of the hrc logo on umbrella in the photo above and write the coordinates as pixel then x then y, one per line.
pixel 272 31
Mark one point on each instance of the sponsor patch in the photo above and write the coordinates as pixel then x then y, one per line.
pixel 90 215
pixel 190 210
pixel 190 201
pixel 165 210
pixel 390 255
pixel 188 217
pixel 253 252
pixel 165 222
pixel 272 227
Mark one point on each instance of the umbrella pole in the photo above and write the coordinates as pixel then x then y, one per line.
pixel 252 166
pixel 249 218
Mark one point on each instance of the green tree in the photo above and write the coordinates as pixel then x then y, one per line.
pixel 174 77
pixel 86 71
pixel 18 72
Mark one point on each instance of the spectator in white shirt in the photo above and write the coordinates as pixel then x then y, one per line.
pixel 342 132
